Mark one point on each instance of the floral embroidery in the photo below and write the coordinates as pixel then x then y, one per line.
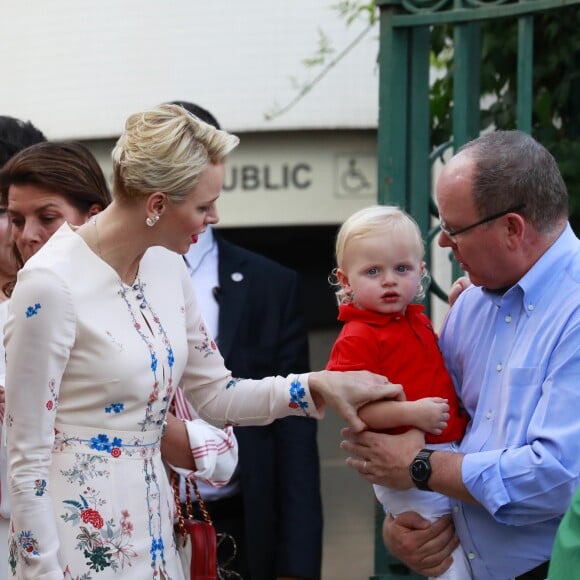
pixel 39 487
pixel 232 383
pixel 154 495
pixel 117 343
pixel 101 443
pixel 52 403
pixel 151 418
pixel 28 543
pixel 104 544
pixel 91 516
pixel 32 310
pixel 86 467
pixel 78 509
pixel 68 575
pixel 115 408
pixel 297 394
pixel 207 345
pixel 12 555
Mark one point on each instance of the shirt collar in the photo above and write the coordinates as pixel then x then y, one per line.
pixel 349 312
pixel 545 273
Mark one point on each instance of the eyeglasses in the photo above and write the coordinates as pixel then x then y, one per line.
pixel 452 235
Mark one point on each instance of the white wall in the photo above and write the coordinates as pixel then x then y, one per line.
pixel 291 178
pixel 77 69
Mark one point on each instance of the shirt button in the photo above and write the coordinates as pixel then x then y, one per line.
pixel 471 556
pixel 508 318
pixel 488 415
pixel 499 367
pixel 530 306
pixel 456 509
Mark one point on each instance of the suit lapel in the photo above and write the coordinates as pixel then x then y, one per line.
pixel 234 280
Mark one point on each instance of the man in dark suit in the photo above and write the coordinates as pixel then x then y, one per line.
pixel 273 508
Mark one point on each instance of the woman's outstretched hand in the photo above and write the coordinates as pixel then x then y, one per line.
pixel 347 391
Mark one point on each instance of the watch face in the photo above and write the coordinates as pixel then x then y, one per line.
pixel 420 470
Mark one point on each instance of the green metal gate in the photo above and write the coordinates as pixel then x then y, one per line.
pixel 405 154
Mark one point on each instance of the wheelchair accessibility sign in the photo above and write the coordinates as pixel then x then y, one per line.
pixel 355 175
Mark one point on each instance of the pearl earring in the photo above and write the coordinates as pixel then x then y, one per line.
pixel 151 221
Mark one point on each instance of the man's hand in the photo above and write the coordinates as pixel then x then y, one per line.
pixel 381 458
pixel 423 546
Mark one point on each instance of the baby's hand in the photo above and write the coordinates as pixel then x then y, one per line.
pixel 431 414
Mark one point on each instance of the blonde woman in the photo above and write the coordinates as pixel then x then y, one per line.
pixel 103 327
pixel 53 183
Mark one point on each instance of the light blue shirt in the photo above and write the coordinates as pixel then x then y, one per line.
pixel 515 360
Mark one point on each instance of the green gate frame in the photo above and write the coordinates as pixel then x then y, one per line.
pixel 404 155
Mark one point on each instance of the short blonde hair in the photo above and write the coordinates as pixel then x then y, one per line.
pixel 388 219
pixel 166 149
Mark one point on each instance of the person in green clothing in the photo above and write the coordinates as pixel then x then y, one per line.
pixel 565 559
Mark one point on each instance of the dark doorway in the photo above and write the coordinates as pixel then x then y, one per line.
pixel 308 250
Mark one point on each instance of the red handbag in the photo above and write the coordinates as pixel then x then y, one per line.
pixel 196 540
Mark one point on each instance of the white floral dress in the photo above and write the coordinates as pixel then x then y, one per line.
pixel 92 366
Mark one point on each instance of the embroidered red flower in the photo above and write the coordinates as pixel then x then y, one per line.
pixel 213 345
pixel 90 516
pixel 115 452
pixel 49 405
pixel 293 405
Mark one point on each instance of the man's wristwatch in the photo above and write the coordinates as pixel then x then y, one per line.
pixel 420 469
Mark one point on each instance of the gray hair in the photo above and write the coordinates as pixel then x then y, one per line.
pixel 511 169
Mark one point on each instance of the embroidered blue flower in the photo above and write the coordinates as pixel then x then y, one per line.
pixel 170 357
pixel 28 543
pixel 102 443
pixel 115 408
pixel 32 310
pixel 232 383
pixel 39 487
pixel 297 393
pixel 153 362
pixel 99 443
pixel 157 546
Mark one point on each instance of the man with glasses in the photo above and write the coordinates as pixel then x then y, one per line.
pixel 512 345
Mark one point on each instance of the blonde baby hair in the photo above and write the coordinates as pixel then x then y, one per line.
pixel 389 219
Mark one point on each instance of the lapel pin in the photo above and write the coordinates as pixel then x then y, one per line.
pixel 237 276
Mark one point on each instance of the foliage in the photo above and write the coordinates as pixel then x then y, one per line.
pixel 556 81
pixel 351 10
pixel 556 86
pixel 325 57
